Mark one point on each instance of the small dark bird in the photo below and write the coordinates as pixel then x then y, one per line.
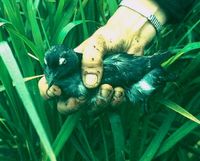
pixel 138 75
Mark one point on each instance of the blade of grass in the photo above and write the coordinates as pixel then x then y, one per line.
pixel 11 95
pixel 32 46
pixel 85 29
pixel 86 144
pixel 19 47
pixel 135 138
pixel 63 33
pixel 101 10
pixel 175 107
pixel 118 136
pixel 2 88
pixel 7 158
pixel 158 138
pixel 189 70
pixel 28 42
pixel 175 137
pixel 36 33
pixel 9 61
pixel 66 18
pixel 38 100
pixel 59 11
pixel 76 143
pixel 12 11
pixel 187 48
pixel 44 31
pixel 65 132
pixel 104 140
pixel 112 6
pixel 182 155
pixel 188 32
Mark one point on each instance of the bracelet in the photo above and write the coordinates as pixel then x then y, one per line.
pixel 144 11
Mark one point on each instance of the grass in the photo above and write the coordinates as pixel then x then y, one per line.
pixel 32 129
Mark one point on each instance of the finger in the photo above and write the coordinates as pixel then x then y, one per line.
pixel 69 106
pixel 104 96
pixel 53 91
pixel 82 46
pixel 92 64
pixel 43 87
pixel 118 96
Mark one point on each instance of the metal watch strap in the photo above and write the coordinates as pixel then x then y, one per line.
pixel 133 4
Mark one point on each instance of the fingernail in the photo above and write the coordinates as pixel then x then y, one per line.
pixel 105 93
pixel 118 94
pixel 91 79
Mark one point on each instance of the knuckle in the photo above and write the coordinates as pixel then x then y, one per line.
pixel 106 87
pixel 118 93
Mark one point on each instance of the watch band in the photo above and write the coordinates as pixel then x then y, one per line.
pixel 139 7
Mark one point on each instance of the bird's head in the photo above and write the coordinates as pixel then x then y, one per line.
pixel 60 63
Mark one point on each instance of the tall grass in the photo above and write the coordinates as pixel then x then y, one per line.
pixel 32 129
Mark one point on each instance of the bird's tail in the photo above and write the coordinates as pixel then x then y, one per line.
pixel 159 58
pixel 148 84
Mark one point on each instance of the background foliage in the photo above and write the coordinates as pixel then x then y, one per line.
pixel 31 129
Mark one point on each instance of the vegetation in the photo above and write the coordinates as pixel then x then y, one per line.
pixel 32 129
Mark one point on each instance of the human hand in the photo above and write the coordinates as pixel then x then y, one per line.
pixel 126 31
pixel 120 34
pixel 49 92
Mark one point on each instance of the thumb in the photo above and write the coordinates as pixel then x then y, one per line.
pixel 92 62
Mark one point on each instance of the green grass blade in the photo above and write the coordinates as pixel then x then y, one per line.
pixel 63 33
pixel 10 63
pixel 59 11
pixel 175 107
pixel 65 132
pixel 86 143
pixel 85 29
pixel 113 5
pixel 6 158
pixel 28 42
pixel 179 134
pixel 20 50
pixel 66 18
pixel 191 69
pixel 12 11
pixel 104 140
pixel 78 147
pixel 188 32
pixel 158 138
pixel 118 136
pixel 36 33
pixel 187 48
pixel 135 138
pixel 182 155
pixel 43 30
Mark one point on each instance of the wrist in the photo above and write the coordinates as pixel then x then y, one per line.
pixel 130 30
pixel 149 9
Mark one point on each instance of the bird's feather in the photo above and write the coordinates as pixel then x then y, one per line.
pixel 63 68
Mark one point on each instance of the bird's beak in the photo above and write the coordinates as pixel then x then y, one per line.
pixel 52 78
pixel 51 82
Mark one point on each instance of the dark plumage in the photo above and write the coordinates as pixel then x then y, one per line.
pixel 63 68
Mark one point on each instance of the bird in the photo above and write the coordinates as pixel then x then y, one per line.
pixel 138 75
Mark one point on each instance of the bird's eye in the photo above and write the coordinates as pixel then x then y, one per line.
pixel 62 61
pixel 45 61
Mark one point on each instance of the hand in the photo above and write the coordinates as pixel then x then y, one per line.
pixel 47 92
pixel 126 31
